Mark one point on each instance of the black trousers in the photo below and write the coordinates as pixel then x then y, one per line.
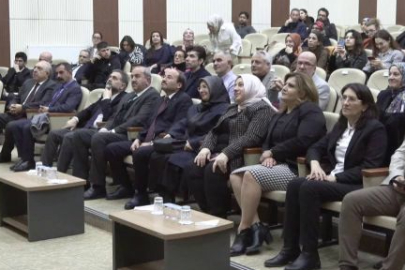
pixel 115 153
pixel 141 159
pixel 303 202
pixel 20 130
pixel 209 188
pixel 54 141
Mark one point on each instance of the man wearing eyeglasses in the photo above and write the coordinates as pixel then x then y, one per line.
pixel 329 28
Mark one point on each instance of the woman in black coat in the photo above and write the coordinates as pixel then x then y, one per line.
pixel 200 120
pixel 391 106
pixel 358 141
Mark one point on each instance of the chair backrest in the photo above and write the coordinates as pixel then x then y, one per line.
pixel 178 42
pixel 274 48
pixel 94 95
pixel 396 34
pixel 157 82
pixel 196 101
pixel 331 119
pixel 395 28
pixel 210 68
pixel 242 69
pixel 356 27
pixel 321 73
pixel 114 49
pixel 369 52
pixel 31 63
pixel 270 32
pixel 127 67
pixel 375 93
pixel 200 37
pixel 258 40
pixel 333 42
pixel 3 71
pixel 206 43
pixel 333 96
pixel 278 38
pixel 280 71
pixel 129 86
pixel 246 48
pixel 340 77
pixel 58 61
pixel 85 97
pixel 379 79
pixel 340 30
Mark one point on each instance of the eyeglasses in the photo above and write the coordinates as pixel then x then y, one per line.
pixel 349 99
pixel 370 31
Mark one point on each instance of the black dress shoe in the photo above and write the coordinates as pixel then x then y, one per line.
pixel 306 261
pixel 285 256
pixel 120 193
pixel 261 233
pixel 137 200
pixel 94 193
pixel 18 163
pixel 24 166
pixel 241 242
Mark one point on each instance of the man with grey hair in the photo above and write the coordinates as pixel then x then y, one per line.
pixel 261 68
pixel 134 110
pixel 223 68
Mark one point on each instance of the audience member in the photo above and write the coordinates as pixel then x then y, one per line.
pixel 315 46
pixel 169 110
pixel 243 28
pixel 159 52
pixel 179 61
pixel 195 65
pixel 223 68
pixel 16 75
pixel 330 28
pixel 66 98
pixel 96 38
pixel 80 69
pixel 299 124
pixel 223 36
pixel 351 55
pixel 188 39
pixel 102 66
pixel 61 140
pixel 167 169
pixel 133 110
pixel 386 51
pixel 308 20
pixel 371 27
pixel 358 141
pixel 131 52
pixel 388 200
pixel 363 28
pixel 318 26
pixel 294 25
pixel 261 68
pixel 243 125
pixel 289 54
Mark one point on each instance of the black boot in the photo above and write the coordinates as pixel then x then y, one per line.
pixel 241 242
pixel 306 261
pixel 261 233
pixel 285 256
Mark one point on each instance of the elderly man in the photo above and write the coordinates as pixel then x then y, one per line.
pixel 102 110
pixel 79 70
pixel 195 64
pixel 16 75
pixel 223 68
pixel 168 111
pixel 294 25
pixel 243 28
pixel 261 68
pixel 66 98
pixel 134 110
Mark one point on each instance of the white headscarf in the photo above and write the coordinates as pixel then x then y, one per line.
pixel 254 91
pixel 215 21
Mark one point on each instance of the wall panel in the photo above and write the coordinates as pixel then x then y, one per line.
pixel 4 33
pixel 261 14
pixel 130 14
pixel 386 11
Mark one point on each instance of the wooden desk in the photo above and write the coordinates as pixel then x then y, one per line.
pixel 142 241
pixel 41 210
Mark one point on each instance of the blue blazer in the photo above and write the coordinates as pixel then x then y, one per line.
pixel 68 100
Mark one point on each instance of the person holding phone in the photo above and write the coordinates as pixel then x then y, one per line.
pixel 349 53
pixel 386 51
pixel 387 199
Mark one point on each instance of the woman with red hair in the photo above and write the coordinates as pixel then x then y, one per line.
pixel 292 49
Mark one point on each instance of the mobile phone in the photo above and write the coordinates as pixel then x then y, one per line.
pixel 400 184
pixel 371 58
pixel 341 42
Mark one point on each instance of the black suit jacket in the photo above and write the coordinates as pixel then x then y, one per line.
pixel 192 81
pixel 68 101
pixel 108 108
pixel 42 96
pixel 366 150
pixel 81 72
pixel 175 111
pixel 305 126
pixel 13 80
pixel 98 72
pixel 139 112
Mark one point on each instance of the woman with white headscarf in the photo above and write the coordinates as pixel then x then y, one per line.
pixel 223 36
pixel 243 125
pixel 299 124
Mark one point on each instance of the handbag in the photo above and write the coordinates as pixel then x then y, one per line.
pixel 168 145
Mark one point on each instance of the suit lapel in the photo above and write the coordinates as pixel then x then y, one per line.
pixel 357 134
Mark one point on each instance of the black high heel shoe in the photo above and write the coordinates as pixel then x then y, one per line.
pixel 261 233
pixel 241 242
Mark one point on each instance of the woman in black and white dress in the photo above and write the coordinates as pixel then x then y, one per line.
pixel 299 124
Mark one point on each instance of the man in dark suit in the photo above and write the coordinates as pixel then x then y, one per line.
pixel 80 69
pixel 34 92
pixel 66 98
pixel 134 110
pixel 171 109
pixel 195 64
pixel 16 75
pixel 100 111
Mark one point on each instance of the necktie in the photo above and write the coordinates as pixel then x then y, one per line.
pixel 31 95
pixel 151 131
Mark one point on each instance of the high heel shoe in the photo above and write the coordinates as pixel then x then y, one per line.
pixel 242 240
pixel 261 233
